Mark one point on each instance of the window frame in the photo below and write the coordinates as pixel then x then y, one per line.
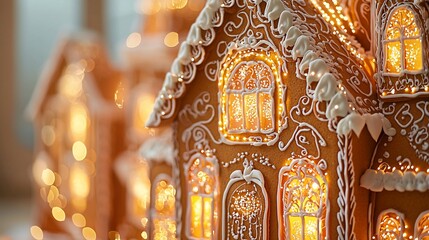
pixel 209 159
pixel 401 41
pixel 322 212
pixel 228 67
pixel 391 211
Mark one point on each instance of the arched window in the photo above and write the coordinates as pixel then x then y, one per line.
pixel 403 43
pixel 163 211
pixel 390 225
pixel 302 199
pixel 421 229
pixel 245 206
pixel 250 100
pixel 202 197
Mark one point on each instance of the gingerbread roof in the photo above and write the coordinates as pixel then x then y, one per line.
pixel 336 68
pixel 101 82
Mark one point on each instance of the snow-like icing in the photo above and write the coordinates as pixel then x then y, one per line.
pixel 159 149
pixel 377 181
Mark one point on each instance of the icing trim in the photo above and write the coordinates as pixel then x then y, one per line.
pixel 192 52
pixel 378 181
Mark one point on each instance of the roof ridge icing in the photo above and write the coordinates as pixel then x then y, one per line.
pixel 328 88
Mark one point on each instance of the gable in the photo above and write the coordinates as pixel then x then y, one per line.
pixel 338 79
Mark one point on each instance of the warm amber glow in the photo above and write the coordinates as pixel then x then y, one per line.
pixel 171 39
pixel 113 235
pixel 58 214
pixel 89 233
pixel 142 112
pixel 134 40
pixel 78 121
pixel 79 151
pixel 48 135
pixel 79 186
pixel 403 44
pixel 149 7
pixel 48 177
pixel 120 95
pixel 36 232
pixel 176 4
pixel 390 226
pixel 422 227
pixel 164 225
pixel 140 188
pixel 338 17
pixel 70 83
pixel 79 220
pixel 303 195
pixel 208 217
pixel 196 216
pixel 201 187
pixel 247 85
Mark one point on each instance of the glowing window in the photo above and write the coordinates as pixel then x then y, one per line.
pixel 163 213
pixel 422 227
pixel 202 197
pixel 403 43
pixel 139 185
pixel 302 201
pixel 390 225
pixel 249 105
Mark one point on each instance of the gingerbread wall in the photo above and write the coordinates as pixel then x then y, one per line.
pixel 307 134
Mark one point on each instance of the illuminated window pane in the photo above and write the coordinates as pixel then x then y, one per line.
pixel 164 224
pixel 196 216
pixel 248 85
pixel 266 111
pixel 251 111
pixel 394 57
pixel 403 45
pixel 413 57
pixel 235 110
pixel 208 216
pixel 393 33
pixel 390 226
pixel 201 198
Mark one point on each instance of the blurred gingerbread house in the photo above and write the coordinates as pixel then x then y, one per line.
pixel 147 54
pixel 79 126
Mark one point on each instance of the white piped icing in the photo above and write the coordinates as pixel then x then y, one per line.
pixel 285 22
pixel 291 36
pixel 274 9
pixel 378 180
pixel 327 88
pixel 301 47
pixel 338 106
pixel 317 68
pixel 309 56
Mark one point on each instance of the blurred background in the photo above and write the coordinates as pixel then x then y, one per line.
pixel 29 32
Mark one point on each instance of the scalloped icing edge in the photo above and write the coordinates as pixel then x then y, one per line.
pixel 338 105
pixel 378 180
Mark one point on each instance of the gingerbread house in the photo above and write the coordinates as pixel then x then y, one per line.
pixel 280 107
pixel 79 126
pixel 148 54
